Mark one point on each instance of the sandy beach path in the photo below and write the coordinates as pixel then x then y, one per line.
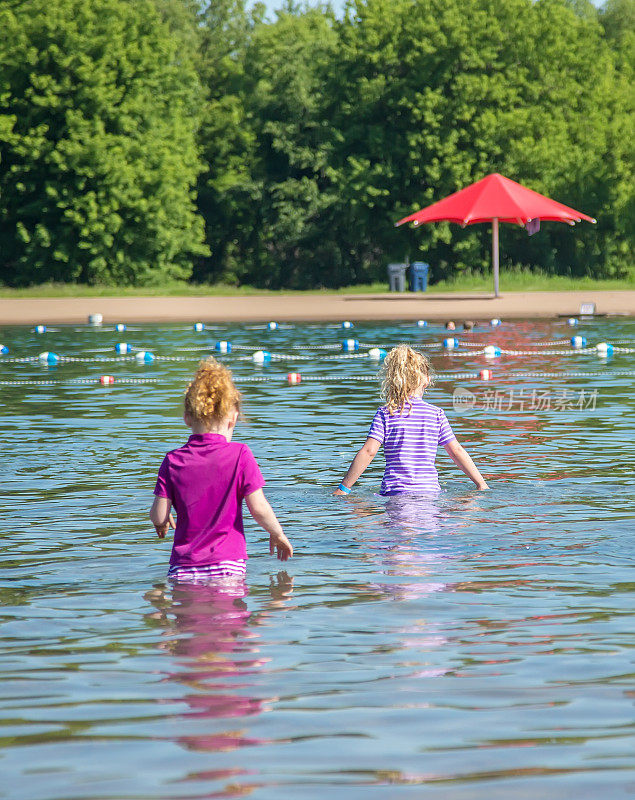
pixel 326 308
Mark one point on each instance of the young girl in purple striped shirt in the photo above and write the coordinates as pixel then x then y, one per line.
pixel 410 430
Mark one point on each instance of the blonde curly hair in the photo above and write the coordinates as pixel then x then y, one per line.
pixel 404 371
pixel 211 396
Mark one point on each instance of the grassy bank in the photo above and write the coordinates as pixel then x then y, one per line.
pixel 513 281
pixel 530 281
pixel 174 289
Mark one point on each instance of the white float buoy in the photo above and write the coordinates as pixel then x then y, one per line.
pixel 144 357
pixel 450 343
pixel 491 351
pixel 350 345
pixel 122 348
pixel 495 322
pixel 120 327
pixel 422 323
pixel 572 322
pixel 49 358
pixel 294 378
pixel 40 328
pixel 485 374
pixel 272 326
pixel 95 320
pixel 261 357
pixel 578 341
pixel 199 326
pixel 604 349
pixel 347 324
pixel 377 354
pixel 106 380
pixel 223 347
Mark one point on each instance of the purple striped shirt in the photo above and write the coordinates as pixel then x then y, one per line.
pixel 410 443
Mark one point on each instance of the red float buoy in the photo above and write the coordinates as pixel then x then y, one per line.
pixel 106 380
pixel 293 378
pixel 485 374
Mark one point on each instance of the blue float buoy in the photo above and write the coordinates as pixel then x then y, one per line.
pixel 450 344
pixel 40 328
pixel 122 348
pixel 145 357
pixel 261 357
pixel 120 327
pixel 223 347
pixel 422 323
pixel 495 322
pixel 347 324
pixel 272 326
pixel 572 322
pixel 604 349
pixel 3 349
pixel 350 345
pixel 49 358
pixel 199 326
pixel 377 354
pixel 491 351
pixel 578 342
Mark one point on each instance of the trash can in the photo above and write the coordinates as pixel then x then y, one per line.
pixel 397 277
pixel 419 276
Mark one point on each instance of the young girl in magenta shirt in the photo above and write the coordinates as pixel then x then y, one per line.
pixel 410 430
pixel 206 481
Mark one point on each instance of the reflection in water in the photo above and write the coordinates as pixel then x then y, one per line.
pixel 405 553
pixel 414 513
pixel 411 518
pixel 210 634
pixel 472 646
pixel 408 544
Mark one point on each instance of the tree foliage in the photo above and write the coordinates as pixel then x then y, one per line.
pixel 350 125
pixel 98 147
pixel 130 131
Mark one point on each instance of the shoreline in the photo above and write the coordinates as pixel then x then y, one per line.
pixel 312 308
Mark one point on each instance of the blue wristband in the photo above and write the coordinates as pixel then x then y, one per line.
pixel 344 489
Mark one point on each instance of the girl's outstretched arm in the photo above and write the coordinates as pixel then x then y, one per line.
pixel 160 516
pixel 261 511
pixel 462 459
pixel 363 458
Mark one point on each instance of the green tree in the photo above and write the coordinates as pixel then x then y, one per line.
pixel 228 191
pixel 286 70
pixel 618 20
pixel 266 144
pixel 98 159
pixel 439 93
pixel 562 138
pixel 617 182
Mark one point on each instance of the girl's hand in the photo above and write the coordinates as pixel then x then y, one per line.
pixel 280 543
pixel 163 529
pixel 340 493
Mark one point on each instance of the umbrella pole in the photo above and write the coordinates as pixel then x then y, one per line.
pixel 495 253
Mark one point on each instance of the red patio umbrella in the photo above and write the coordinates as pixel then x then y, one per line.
pixel 496 199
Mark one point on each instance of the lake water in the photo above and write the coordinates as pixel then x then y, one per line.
pixel 466 646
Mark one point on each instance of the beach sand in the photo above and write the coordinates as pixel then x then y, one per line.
pixel 312 307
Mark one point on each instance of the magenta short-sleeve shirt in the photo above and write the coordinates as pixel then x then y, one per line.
pixel 206 480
